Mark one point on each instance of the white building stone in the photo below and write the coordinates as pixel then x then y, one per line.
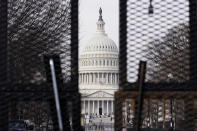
pixel 98 72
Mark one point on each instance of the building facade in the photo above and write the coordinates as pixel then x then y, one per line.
pixel 98 73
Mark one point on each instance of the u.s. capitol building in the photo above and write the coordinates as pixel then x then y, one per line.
pixel 98 73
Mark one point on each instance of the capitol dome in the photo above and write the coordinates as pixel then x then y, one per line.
pixel 98 63
pixel 98 72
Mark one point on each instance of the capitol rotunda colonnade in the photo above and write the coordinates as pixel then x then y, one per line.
pixel 98 73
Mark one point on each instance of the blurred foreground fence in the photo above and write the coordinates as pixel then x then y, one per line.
pixel 162 33
pixel 32 32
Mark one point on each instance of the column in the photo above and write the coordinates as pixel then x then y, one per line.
pixel 83 78
pixel 107 108
pixel 118 78
pixel 84 106
pixel 88 107
pixel 115 78
pixel 102 107
pixel 98 77
pixel 95 78
pixel 91 78
pixel 93 106
pixel 112 106
pixel 107 78
pixel 102 77
pixel 98 107
pixel 88 78
pixel 111 78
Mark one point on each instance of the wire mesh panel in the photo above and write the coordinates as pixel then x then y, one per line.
pixel 160 38
pixel 162 34
pixel 38 31
pixel 161 111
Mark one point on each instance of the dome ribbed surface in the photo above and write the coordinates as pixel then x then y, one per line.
pixel 100 42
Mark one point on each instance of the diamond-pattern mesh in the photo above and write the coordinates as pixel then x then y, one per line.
pixel 161 111
pixel 37 31
pixel 158 32
pixel 161 33
pixel 161 39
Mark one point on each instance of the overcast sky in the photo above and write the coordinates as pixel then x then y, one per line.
pixel 142 28
pixel 89 14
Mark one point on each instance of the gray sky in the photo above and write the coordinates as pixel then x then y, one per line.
pixel 142 28
pixel 88 16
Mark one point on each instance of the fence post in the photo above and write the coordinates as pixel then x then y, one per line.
pixel 141 78
pixel 3 66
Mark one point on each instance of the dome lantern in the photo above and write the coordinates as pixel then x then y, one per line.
pixel 100 23
pixel 100 42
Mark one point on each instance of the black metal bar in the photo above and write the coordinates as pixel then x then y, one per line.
pixel 3 65
pixel 141 78
pixel 193 42
pixel 3 42
pixel 123 43
pixel 74 44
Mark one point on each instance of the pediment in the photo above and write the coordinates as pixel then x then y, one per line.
pixel 100 94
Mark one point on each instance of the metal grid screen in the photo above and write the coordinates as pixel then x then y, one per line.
pixel 161 39
pixel 161 35
pixel 37 31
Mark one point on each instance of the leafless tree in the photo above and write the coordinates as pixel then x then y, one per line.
pixel 36 28
pixel 169 56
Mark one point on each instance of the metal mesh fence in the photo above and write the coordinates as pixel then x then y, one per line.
pixel 36 29
pixel 36 32
pixel 161 39
pixel 161 111
pixel 161 33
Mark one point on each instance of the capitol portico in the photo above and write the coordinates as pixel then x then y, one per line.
pixel 98 72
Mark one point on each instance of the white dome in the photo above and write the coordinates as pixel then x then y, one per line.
pixel 100 42
pixel 98 63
